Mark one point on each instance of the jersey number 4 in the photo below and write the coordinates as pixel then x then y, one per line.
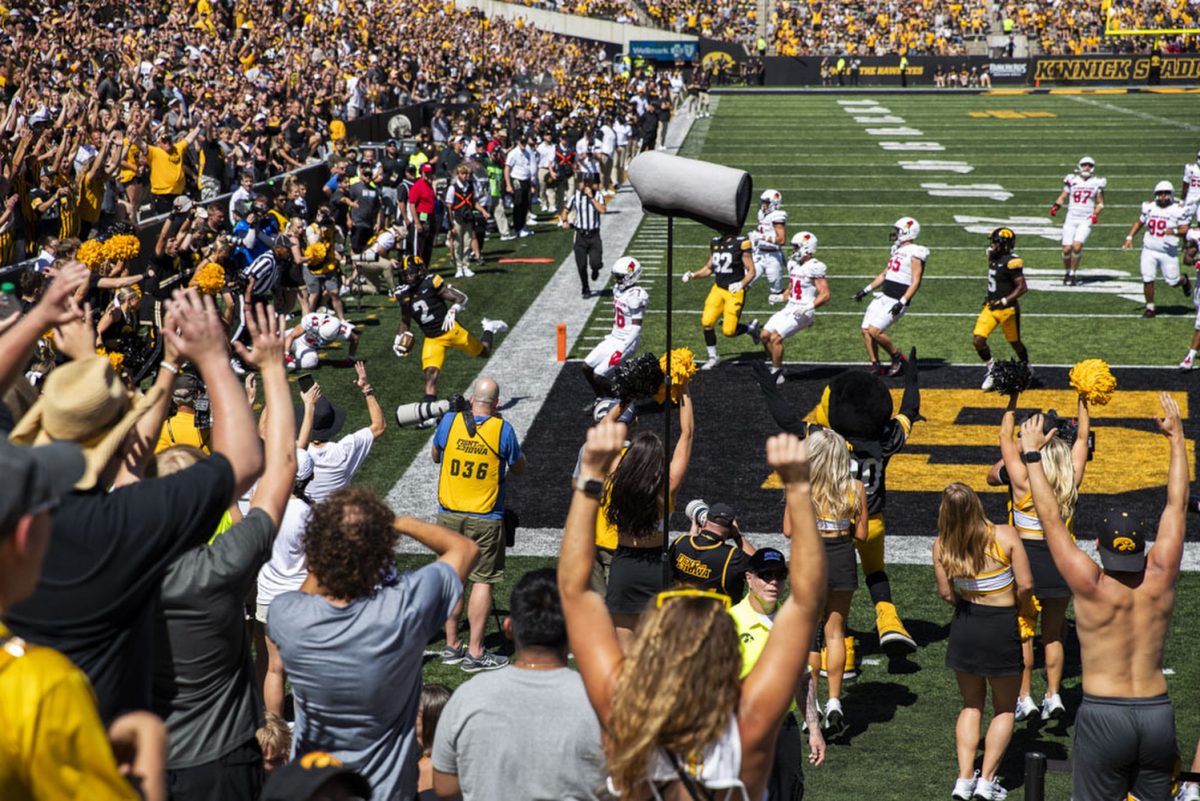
pixel 797 289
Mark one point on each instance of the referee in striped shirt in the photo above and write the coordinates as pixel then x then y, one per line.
pixel 588 204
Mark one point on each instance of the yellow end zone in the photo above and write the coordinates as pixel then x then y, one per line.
pixel 1126 459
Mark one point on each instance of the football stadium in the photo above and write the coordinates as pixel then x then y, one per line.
pixel 640 399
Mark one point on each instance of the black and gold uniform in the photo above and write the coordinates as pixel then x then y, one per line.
pixel 424 303
pixel 710 562
pixel 1003 272
pixel 727 254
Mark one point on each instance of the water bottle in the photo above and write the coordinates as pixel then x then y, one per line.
pixel 9 303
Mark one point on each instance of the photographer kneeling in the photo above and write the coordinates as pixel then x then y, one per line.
pixel 475 452
pixel 713 556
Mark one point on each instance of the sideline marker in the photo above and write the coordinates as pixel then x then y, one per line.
pixel 562 342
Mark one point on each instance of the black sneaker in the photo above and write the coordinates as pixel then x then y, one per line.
pixel 898 365
pixel 755 332
pixel 1186 286
pixel 1147 313
pixel 489 661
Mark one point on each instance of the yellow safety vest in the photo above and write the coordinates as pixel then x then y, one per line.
pixel 470 475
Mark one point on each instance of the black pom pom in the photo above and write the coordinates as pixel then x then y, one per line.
pixel 638 379
pixel 1010 377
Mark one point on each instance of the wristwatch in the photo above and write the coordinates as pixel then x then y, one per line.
pixel 591 487
pixel 1029 457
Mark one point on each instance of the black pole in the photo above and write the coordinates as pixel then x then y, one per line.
pixel 667 382
pixel 1035 776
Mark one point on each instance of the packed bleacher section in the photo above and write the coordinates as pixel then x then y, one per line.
pixel 875 28
pixel 732 21
pixel 623 11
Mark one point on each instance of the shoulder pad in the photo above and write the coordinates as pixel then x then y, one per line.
pixel 435 281
pixel 1101 183
pixel 1015 262
pixel 918 251
pixel 816 268
pixel 1068 179
pixel 638 297
pixel 743 243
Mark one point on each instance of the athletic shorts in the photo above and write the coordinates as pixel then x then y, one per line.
pixel 1123 746
pixel 721 304
pixel 323 282
pixel 433 349
pixel 1076 231
pixel 1154 261
pixel 488 534
pixel 879 313
pixel 769 263
pixel 1009 320
pixel 788 321
pixel 610 354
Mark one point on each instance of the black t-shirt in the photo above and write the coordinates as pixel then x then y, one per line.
pixel 710 563
pixel 366 196
pixel 214 159
pixel 96 598
pixel 393 169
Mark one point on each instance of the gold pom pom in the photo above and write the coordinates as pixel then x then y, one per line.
pixel 117 360
pixel 122 247
pixel 315 253
pixel 1027 618
pixel 683 369
pixel 1093 380
pixel 209 279
pixel 91 253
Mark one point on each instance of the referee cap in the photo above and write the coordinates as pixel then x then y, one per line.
pixel 1122 544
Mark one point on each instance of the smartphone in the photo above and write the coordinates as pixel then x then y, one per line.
pixel 305 381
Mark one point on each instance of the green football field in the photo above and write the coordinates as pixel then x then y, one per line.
pixel 1003 159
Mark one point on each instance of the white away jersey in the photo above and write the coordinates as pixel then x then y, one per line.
pixel 1082 193
pixel 1161 224
pixel 899 266
pixel 629 305
pixel 311 323
pixel 1191 177
pixel 802 290
pixel 766 228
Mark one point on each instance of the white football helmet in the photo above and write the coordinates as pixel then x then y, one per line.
pixel 905 229
pixel 627 271
pixel 771 199
pixel 804 244
pixel 1160 188
pixel 329 328
pixel 1086 166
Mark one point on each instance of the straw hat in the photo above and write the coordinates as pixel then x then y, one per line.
pixel 84 402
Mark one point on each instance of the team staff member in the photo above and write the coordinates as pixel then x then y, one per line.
pixel 715 557
pixel 475 454
pixel 520 170
pixel 731 264
pixel 1124 740
pixel 588 204
pixel 435 305
pixel 422 202
pixel 753 618
pixel 1006 284
pixel 463 205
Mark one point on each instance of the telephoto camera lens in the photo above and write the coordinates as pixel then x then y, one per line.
pixel 697 510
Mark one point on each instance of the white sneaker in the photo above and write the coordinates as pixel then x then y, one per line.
pixel 464 272
pixel 711 363
pixel 525 232
pixel 508 237
pixel 494 326
pixel 964 789
pixel 988 380
pixel 777 372
pixel 550 210
pixel 1187 363
pixel 989 790
pixel 1026 708
pixel 1188 791
pixel 1052 707
pixel 833 721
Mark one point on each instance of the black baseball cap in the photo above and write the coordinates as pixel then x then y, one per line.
pixel 765 559
pixel 35 478
pixel 722 514
pixel 301 779
pixel 1122 544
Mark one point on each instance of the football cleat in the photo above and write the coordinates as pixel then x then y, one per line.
pixel 1052 707
pixel 988 379
pixel 850 672
pixel 712 362
pixel 1186 286
pixel 755 331
pixel 1188 363
pixel 1147 313
pixel 464 272
pixel 898 365
pixel 964 789
pixel 1026 708
pixel 494 326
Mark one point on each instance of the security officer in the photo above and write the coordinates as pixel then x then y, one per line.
pixel 475 452
pixel 715 557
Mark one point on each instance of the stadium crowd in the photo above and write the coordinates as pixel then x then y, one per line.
pixel 935 27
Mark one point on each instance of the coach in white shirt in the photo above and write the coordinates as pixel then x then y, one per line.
pixel 520 170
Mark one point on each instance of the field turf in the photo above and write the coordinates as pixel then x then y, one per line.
pixel 839 183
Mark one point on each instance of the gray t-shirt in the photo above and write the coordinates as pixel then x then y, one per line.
pixel 356 672
pixel 203 675
pixel 528 734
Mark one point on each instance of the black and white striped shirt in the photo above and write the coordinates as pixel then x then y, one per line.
pixel 587 218
pixel 265 272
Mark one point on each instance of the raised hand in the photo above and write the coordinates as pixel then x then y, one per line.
pixel 1032 436
pixel 1170 423
pixel 787 456
pixel 58 306
pixel 197 335
pixel 604 443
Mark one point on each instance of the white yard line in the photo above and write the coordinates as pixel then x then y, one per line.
pixel 1145 115
pixel 525 362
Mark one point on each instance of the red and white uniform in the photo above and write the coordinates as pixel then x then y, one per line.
pixel 898 277
pixel 801 295
pixel 1082 194
pixel 1191 178
pixel 1160 242
pixel 629 307
pixel 768 257
pixel 305 346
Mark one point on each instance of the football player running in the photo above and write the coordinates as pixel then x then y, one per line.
pixel 1006 283
pixel 317 330
pixel 629 308
pixel 1165 221
pixel 435 306
pixel 900 280
pixel 807 289
pixel 732 268
pixel 1191 257
pixel 1191 186
pixel 768 240
pixel 1083 190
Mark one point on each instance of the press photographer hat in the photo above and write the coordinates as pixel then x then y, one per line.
pixel 722 514
pixel 1122 545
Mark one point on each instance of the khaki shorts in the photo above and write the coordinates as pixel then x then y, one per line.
pixel 488 535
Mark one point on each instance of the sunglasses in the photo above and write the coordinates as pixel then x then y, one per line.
pixel 669 595
pixel 773 575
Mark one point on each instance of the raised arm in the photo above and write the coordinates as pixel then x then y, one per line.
pixel 1081 573
pixel 768 689
pixel 1168 545
pixel 1010 450
pixel 266 354
pixel 200 339
pixel 1079 451
pixel 378 424
pixel 455 550
pixel 593 638
pixel 683 448
pixel 56 307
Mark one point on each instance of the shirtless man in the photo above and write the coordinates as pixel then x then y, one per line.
pixel 1125 730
